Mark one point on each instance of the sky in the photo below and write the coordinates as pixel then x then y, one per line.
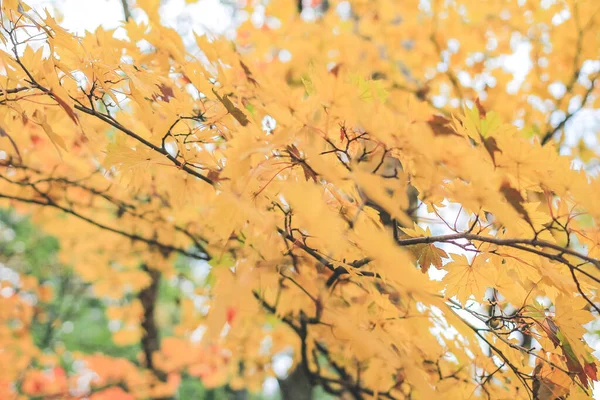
pixel 82 15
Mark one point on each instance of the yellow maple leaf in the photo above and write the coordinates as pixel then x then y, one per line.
pixel 427 254
pixel 466 279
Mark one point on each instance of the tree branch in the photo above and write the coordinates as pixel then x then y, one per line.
pixel 132 236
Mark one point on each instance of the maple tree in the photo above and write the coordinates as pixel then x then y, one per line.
pixel 371 190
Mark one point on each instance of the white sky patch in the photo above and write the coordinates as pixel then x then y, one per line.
pixel 79 16
pixel 268 124
pixel 519 63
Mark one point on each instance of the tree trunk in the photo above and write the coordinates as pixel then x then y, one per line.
pixel 296 386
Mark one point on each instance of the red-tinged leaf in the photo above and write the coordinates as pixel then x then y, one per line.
pixel 213 175
pixel 553 333
pixel 439 126
pixel 336 70
pixel 230 314
pixel 293 150
pixel 343 133
pixel 65 106
pixel 591 370
pixel 575 367
pixel 514 198
pixel 166 92
pixel 308 172
pixel 482 112
pixel 36 140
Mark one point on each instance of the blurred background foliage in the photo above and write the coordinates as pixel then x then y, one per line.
pixel 70 319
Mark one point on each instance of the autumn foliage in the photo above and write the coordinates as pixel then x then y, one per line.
pixel 372 191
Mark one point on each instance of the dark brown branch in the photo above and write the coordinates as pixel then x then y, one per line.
pixel 109 120
pixel 346 381
pixel 14 90
pixel 132 236
pixel 126 10
pixel 576 72
pixel 515 243
pixel 151 339
pixel 550 133
pixel 122 206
